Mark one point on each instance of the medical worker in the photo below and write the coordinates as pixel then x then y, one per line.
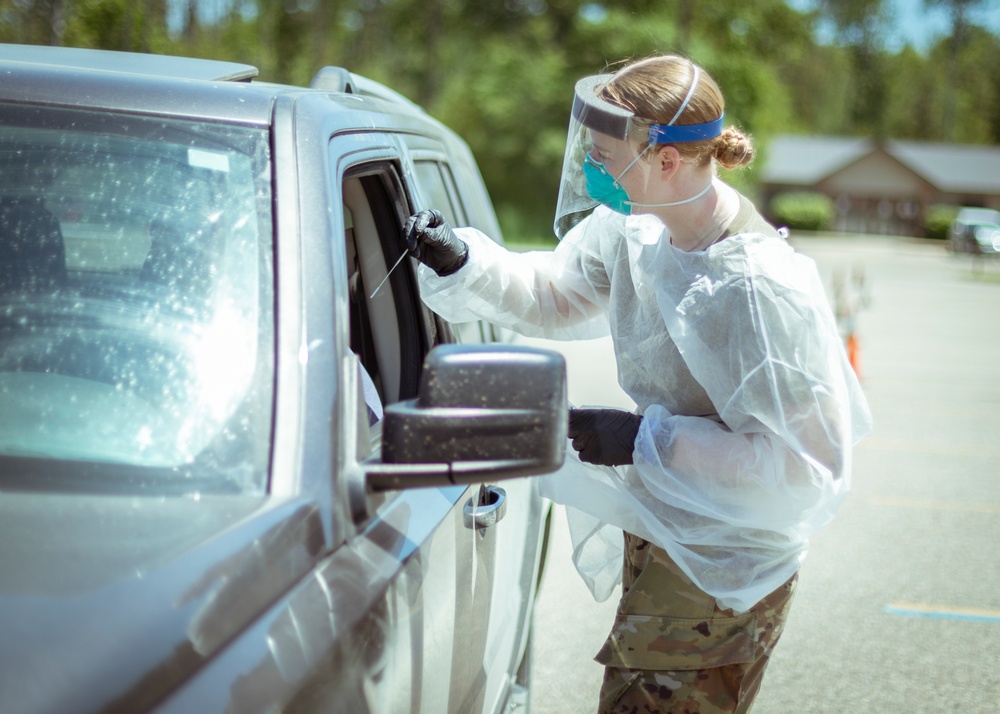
pixel 747 409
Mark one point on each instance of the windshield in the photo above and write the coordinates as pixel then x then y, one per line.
pixel 136 317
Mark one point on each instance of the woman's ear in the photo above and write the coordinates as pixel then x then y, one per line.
pixel 668 161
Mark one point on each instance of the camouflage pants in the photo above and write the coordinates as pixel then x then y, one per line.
pixel 673 651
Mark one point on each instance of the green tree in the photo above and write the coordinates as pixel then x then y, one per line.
pixel 34 22
pixel 132 26
pixel 861 28
pixel 972 94
pixel 960 28
pixel 913 112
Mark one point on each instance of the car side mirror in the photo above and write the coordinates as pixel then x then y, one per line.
pixel 483 413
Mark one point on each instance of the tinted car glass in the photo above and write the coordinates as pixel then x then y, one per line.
pixel 136 303
pixel 431 179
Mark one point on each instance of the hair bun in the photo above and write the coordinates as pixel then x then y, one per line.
pixel 733 148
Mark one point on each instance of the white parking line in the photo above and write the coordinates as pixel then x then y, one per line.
pixel 925 447
pixel 942 612
pixel 934 504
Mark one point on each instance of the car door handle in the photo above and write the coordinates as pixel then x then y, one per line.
pixel 491 508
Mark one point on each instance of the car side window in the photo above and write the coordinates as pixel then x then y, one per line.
pixel 437 191
pixel 387 328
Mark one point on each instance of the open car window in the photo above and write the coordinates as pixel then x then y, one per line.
pixel 389 330
pixel 136 304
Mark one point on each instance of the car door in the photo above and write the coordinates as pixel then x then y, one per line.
pixel 519 535
pixel 440 566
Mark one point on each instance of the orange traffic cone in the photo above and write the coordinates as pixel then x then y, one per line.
pixel 854 353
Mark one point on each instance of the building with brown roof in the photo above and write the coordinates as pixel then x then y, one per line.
pixel 882 187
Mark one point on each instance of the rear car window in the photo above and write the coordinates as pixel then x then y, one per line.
pixel 136 303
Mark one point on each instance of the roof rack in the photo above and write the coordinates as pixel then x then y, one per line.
pixel 333 79
pixel 338 79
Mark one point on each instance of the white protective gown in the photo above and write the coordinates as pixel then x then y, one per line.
pixel 733 358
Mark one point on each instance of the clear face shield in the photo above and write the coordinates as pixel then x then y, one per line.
pixel 612 127
pixel 604 142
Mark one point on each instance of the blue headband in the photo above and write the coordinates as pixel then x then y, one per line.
pixel 685 133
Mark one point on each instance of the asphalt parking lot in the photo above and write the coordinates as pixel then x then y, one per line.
pixel 898 608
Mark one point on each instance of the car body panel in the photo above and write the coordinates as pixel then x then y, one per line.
pixel 334 635
pixel 148 592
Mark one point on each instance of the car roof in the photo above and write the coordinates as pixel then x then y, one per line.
pixel 984 216
pixel 165 85
pixel 130 62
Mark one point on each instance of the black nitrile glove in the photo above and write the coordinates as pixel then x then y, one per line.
pixel 604 436
pixel 431 241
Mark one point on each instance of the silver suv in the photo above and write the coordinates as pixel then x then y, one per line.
pixel 240 472
pixel 976 230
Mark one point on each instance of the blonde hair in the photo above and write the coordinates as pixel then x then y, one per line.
pixel 655 88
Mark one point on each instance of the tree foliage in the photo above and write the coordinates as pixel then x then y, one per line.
pixel 501 72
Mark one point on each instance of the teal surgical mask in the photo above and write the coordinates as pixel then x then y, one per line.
pixel 606 190
pixel 603 188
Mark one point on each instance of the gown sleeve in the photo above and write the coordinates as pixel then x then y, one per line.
pixel 558 294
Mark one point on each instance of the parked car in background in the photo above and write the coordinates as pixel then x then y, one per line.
pixel 239 475
pixel 976 230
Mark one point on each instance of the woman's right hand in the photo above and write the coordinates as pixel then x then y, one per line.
pixel 431 241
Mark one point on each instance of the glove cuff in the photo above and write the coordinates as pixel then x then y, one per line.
pixel 457 264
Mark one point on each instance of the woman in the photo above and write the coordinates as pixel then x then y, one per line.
pixel 747 409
